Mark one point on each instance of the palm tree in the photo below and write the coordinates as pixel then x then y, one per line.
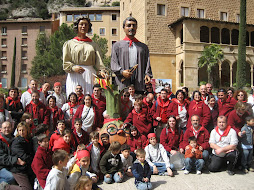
pixel 210 57
pixel 241 63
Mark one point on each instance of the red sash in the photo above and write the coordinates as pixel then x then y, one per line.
pixel 131 41
pixel 83 40
pixel 225 133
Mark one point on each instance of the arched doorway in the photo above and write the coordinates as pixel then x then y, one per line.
pixel 225 74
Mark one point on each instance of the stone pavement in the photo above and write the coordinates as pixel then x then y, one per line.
pixel 206 181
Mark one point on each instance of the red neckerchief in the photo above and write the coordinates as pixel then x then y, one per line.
pixel 179 104
pixel 35 107
pixel 210 93
pixel 1 110
pixel 138 114
pixel 83 40
pixel 80 97
pixel 4 140
pixel 145 102
pixel 112 119
pixel 195 107
pixel 244 101
pixel 203 99
pixel 54 109
pixel 225 132
pixel 125 104
pixel 72 106
pixel 195 133
pixel 169 95
pixel 131 41
pixel 12 101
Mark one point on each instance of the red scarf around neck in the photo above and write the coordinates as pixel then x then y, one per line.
pixel 163 106
pixel 1 110
pixel 30 91
pixel 80 97
pixel 195 133
pixel 72 106
pixel 131 41
pixel 54 109
pixel 225 132
pixel 195 107
pixel 179 104
pixel 83 40
pixel 13 102
pixel 34 107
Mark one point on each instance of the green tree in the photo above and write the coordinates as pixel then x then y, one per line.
pixel 241 63
pixel 210 57
pixel 103 44
pixel 48 60
pixel 13 65
pixel 116 4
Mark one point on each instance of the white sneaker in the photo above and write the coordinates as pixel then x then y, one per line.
pixel 186 172
pixel 199 172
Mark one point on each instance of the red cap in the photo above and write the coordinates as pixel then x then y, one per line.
pixel 57 84
pixel 82 154
pixel 150 135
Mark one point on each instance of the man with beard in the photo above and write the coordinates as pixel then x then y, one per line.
pixel 126 54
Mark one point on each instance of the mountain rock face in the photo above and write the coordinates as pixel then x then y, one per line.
pixel 43 8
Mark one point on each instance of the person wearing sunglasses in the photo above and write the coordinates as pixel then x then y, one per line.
pixel 128 53
pixel 126 105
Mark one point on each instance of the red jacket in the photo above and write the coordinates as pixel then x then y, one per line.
pixel 78 114
pixel 159 109
pixel 101 105
pixel 147 105
pixel 42 164
pixel 42 113
pixel 202 138
pixel 57 115
pixel 200 109
pixel 170 140
pixel 55 136
pixel 235 121
pixel 226 107
pixel 61 144
pixel 137 142
pixel 173 108
pixel 197 154
pixel 140 120
pixel 84 139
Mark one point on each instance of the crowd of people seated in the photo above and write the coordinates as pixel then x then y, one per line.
pixel 49 141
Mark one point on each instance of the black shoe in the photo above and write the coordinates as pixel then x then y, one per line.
pixel 230 172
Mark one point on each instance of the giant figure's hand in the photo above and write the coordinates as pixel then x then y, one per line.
pixel 127 74
pixel 147 79
pixel 78 69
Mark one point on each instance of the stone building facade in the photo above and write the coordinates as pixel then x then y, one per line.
pixel 177 31
pixel 26 33
pixel 105 21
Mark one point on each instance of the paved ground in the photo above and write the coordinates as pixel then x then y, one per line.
pixel 206 181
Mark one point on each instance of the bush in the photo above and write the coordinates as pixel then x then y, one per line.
pixel 247 84
pixel 116 4
pixel 234 84
pixel 202 83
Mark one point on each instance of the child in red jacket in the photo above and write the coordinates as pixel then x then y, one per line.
pixel 193 157
pixel 79 135
pixel 136 141
pixel 57 133
pixel 64 142
pixel 42 162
